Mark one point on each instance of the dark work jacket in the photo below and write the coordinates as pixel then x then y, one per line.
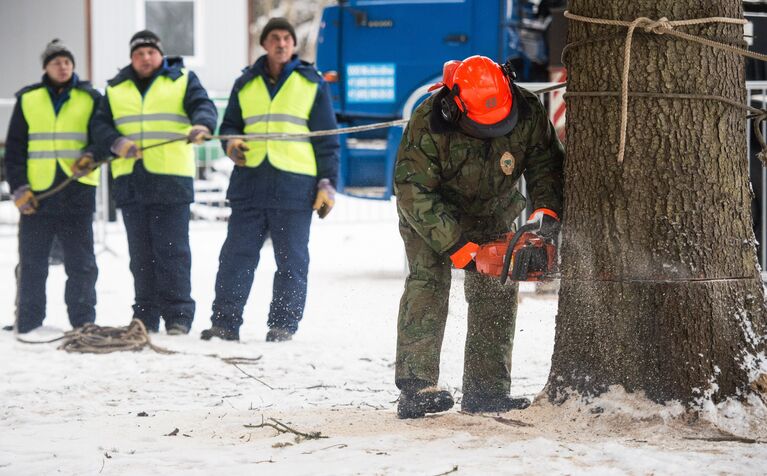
pixel 74 198
pixel 142 186
pixel 265 186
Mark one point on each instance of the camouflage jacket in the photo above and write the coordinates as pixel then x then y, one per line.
pixel 451 188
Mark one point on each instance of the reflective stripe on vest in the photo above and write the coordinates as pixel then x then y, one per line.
pixel 288 112
pixel 56 138
pixel 156 117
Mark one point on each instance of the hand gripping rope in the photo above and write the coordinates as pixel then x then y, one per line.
pixel 272 136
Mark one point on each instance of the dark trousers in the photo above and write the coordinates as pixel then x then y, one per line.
pixel 36 234
pixel 161 261
pixel 423 315
pixel 248 228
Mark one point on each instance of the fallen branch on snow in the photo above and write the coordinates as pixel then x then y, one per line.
pixel 253 377
pixel 455 468
pixel 283 428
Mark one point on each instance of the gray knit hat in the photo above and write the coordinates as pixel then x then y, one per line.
pixel 53 49
pixel 145 38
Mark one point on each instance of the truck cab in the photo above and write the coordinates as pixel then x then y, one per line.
pixel 380 57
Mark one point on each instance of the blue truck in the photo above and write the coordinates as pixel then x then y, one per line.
pixel 380 57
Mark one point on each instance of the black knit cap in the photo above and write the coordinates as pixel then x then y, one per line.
pixel 145 38
pixel 53 49
pixel 277 23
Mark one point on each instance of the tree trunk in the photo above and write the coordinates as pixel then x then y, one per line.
pixel 661 291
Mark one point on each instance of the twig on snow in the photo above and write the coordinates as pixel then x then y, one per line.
pixel 733 438
pixel 253 377
pixel 499 419
pixel 455 468
pixel 511 421
pixel 238 360
pixel 339 446
pixel 283 428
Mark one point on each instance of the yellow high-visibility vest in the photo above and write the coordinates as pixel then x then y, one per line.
pixel 56 138
pixel 156 117
pixel 288 112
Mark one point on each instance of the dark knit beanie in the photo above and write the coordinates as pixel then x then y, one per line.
pixel 277 24
pixel 56 48
pixel 145 38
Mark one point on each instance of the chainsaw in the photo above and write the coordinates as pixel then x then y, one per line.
pixel 520 256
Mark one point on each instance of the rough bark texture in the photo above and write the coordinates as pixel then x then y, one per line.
pixel 660 289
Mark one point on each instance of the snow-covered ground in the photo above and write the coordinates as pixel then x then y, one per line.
pixel 192 413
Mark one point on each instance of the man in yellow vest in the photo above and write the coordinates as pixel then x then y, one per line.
pixel 153 100
pixel 48 141
pixel 275 184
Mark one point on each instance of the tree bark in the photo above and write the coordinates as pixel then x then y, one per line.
pixel 661 291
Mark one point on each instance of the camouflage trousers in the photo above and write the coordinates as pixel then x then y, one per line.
pixel 423 314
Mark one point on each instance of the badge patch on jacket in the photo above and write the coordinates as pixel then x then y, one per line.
pixel 507 163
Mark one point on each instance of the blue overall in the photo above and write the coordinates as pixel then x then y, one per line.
pixel 265 202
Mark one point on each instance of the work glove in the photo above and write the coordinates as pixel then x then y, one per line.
pixel 126 148
pixel 326 198
pixel 548 223
pixel 235 150
pixel 25 200
pixel 83 166
pixel 462 255
pixel 198 134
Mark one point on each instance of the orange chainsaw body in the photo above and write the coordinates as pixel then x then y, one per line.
pixel 539 264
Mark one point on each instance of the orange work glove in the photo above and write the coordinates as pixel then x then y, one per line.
pixel 198 134
pixel 547 221
pixel 235 150
pixel 83 166
pixel 25 200
pixel 326 198
pixel 126 148
pixel 463 257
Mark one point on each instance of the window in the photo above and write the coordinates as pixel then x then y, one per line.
pixel 177 23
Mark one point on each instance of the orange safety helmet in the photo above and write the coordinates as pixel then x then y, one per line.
pixel 479 97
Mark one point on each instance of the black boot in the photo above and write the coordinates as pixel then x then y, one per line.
pixel 416 404
pixel 278 334
pixel 492 404
pixel 221 333
pixel 177 329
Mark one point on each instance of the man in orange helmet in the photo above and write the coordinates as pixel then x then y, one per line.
pixel 458 164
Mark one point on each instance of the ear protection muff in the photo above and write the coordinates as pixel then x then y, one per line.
pixel 508 70
pixel 451 112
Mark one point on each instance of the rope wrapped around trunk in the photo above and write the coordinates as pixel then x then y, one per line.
pixel 664 26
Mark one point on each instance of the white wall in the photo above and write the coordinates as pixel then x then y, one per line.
pixel 26 26
pixel 223 38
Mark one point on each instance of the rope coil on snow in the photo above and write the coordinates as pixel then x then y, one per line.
pixel 664 26
pixel 93 339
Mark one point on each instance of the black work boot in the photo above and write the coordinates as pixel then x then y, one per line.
pixel 278 334
pixel 177 329
pixel 492 403
pixel 416 404
pixel 220 332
